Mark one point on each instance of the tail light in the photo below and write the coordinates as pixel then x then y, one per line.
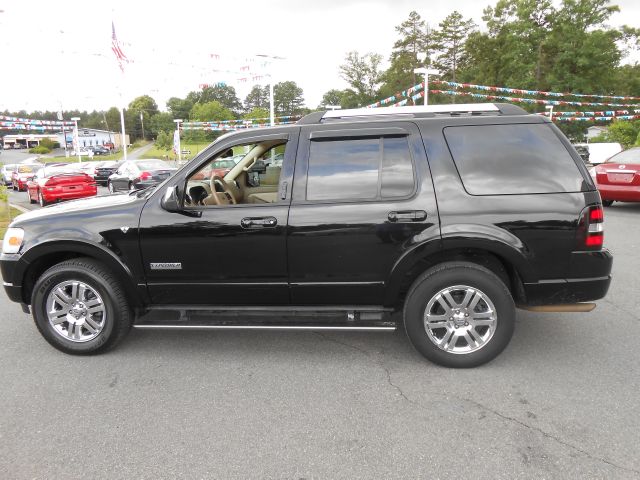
pixel 591 228
pixel 145 176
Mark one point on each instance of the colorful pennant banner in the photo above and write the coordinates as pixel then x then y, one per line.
pixel 32 121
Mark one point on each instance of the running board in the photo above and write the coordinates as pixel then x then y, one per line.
pixel 166 326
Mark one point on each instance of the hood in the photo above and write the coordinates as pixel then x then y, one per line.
pixel 78 206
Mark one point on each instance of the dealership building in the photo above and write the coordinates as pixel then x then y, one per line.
pixel 87 137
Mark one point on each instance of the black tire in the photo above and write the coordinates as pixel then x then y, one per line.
pixel 41 199
pixel 119 316
pixel 130 186
pixel 31 200
pixel 448 275
pixel 607 203
pixel 111 188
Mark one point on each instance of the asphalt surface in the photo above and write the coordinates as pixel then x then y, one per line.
pixel 560 402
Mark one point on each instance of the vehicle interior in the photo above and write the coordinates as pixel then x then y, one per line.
pixel 243 174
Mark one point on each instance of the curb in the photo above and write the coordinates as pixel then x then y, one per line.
pixel 18 207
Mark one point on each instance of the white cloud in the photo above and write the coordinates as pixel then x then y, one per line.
pixel 61 51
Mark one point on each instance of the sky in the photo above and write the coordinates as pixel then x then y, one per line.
pixel 58 54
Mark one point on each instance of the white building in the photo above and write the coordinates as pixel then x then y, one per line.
pixel 594 131
pixel 90 137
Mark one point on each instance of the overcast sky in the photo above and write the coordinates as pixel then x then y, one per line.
pixel 59 53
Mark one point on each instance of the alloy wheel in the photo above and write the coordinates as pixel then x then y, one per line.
pixel 460 319
pixel 75 311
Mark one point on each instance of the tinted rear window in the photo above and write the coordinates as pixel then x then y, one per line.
pixel 512 159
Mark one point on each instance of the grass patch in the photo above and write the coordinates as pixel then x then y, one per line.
pixel 161 153
pixel 7 214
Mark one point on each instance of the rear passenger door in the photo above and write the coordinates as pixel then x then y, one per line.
pixel 362 196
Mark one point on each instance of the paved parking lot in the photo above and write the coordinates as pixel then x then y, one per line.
pixel 560 402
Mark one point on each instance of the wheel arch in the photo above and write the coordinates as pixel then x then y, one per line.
pixel 507 263
pixel 41 257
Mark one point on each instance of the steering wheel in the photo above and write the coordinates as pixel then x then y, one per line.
pixel 221 198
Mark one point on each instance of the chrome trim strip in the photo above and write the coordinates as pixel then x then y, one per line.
pixel 261 327
pixel 7 284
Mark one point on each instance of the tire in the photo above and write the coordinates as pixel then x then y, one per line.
pixel 41 199
pixel 31 200
pixel 460 342
pixel 110 187
pixel 607 203
pixel 102 293
pixel 130 186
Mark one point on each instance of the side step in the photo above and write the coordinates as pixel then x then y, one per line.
pixel 167 326
pixel 195 317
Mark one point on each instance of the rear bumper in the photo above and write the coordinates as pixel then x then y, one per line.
pixel 589 279
pixel 621 193
pixel 54 196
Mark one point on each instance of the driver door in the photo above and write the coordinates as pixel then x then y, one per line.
pixel 220 254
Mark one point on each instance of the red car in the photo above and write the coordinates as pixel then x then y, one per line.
pixel 22 174
pixel 56 185
pixel 618 179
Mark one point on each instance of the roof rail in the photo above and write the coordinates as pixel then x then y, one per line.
pixel 413 111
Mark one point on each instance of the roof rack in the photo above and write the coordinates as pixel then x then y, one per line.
pixel 418 111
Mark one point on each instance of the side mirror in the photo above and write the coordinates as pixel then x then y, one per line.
pixel 170 200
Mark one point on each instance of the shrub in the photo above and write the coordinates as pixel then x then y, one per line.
pixel 39 149
pixel 48 143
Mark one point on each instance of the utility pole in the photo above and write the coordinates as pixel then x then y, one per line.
pixel 124 141
pixel 142 121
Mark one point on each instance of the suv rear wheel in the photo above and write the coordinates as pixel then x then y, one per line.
pixel 459 314
pixel 80 308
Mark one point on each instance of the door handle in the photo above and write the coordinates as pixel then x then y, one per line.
pixel 258 222
pixel 407 216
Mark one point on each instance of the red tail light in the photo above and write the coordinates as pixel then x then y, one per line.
pixel 591 229
pixel 145 176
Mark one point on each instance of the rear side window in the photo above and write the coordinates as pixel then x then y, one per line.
pixel 359 169
pixel 512 159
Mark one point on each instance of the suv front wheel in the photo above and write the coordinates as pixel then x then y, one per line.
pixel 80 308
pixel 459 314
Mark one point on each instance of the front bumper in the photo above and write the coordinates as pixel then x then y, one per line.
pixel 12 284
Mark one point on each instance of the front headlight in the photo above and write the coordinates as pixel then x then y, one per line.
pixel 12 240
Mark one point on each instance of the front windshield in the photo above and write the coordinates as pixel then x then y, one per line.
pixel 627 157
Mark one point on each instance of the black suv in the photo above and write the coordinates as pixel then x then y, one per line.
pixel 440 220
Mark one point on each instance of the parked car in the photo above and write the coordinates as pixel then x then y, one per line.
pixel 7 170
pixel 618 179
pixel 358 224
pixel 139 174
pixel 99 150
pixel 90 168
pixel 22 174
pixel 105 171
pixel 599 152
pixel 58 184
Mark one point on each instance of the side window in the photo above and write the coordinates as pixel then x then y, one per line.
pixel 359 169
pixel 512 159
pixel 247 173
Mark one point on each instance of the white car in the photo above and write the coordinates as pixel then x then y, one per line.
pixel 7 170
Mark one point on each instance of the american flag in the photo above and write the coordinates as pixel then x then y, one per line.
pixel 115 46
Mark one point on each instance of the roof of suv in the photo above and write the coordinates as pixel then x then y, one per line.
pixel 421 111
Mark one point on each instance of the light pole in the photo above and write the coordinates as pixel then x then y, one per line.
pixel 426 72
pixel 550 108
pixel 76 141
pixel 142 121
pixel 176 139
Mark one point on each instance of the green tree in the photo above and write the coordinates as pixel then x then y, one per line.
pixel 224 94
pixel 288 98
pixel 257 113
pixel 180 108
pixel 210 111
pixel 162 122
pixel 415 43
pixel 258 97
pixel 145 104
pixel 331 97
pixel 623 132
pixel 450 41
pixel 363 74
